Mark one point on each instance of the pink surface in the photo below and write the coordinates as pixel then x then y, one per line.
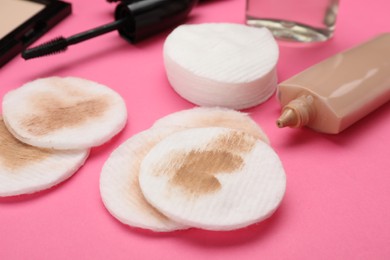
pixel 337 203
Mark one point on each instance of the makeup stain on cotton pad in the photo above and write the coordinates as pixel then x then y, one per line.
pixel 259 180
pixel 136 191
pixel 15 154
pixel 198 170
pixel 64 113
pixel 54 112
pixel 236 141
pixel 212 117
pixel 120 185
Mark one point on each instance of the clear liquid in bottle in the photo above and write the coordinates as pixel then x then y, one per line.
pixel 304 21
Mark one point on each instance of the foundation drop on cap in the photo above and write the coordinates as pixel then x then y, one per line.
pixel 297 113
pixel 337 92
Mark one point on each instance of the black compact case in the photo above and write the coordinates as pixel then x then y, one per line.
pixel 32 28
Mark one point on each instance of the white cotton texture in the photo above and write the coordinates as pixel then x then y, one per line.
pixel 212 117
pixel 25 169
pixel 64 113
pixel 222 64
pixel 119 187
pixel 42 175
pixel 185 177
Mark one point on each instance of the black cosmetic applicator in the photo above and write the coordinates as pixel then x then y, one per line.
pixel 135 20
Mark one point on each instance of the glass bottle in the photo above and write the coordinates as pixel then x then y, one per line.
pixel 294 20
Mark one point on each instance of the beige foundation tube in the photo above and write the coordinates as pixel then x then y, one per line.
pixel 335 93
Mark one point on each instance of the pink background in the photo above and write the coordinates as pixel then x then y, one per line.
pixel 337 203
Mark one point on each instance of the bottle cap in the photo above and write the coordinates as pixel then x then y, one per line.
pixel 147 17
pixel 297 112
pixel 288 118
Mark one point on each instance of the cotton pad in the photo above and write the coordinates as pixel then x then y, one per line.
pixel 221 64
pixel 212 117
pixel 64 113
pixel 26 169
pixel 213 178
pixel 119 187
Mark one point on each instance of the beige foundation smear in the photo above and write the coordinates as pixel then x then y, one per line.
pixel 212 117
pixel 119 187
pixel 27 169
pixel 213 178
pixel 198 169
pixel 15 154
pixel 119 184
pixel 64 113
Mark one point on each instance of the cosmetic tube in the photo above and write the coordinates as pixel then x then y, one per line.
pixel 335 93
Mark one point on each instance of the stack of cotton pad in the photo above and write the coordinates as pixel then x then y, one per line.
pixel 48 127
pixel 209 168
pixel 218 64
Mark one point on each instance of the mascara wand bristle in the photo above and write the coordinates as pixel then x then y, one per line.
pixel 51 47
pixel 61 44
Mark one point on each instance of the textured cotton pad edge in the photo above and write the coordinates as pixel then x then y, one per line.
pixel 192 54
pixel 25 169
pixel 207 92
pixel 212 117
pixel 222 64
pixel 46 179
pixel 239 203
pixel 19 107
pixel 119 187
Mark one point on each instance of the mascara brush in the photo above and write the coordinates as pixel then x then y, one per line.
pixel 61 44
pixel 134 21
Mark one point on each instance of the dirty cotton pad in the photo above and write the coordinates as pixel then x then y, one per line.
pixel 213 178
pixel 222 64
pixel 64 113
pixel 26 169
pixel 119 187
pixel 212 117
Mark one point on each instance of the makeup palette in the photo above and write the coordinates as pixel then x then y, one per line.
pixel 24 21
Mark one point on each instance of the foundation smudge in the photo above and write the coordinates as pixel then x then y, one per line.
pixel 138 198
pixel 198 169
pixel 196 174
pixel 135 191
pixel 53 112
pixel 15 154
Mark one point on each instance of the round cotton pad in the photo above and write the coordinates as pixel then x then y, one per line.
pixel 212 117
pixel 64 113
pixel 213 178
pixel 219 64
pixel 27 169
pixel 119 187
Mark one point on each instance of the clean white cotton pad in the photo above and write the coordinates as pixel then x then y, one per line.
pixel 64 113
pixel 222 64
pixel 213 178
pixel 212 117
pixel 27 169
pixel 119 187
